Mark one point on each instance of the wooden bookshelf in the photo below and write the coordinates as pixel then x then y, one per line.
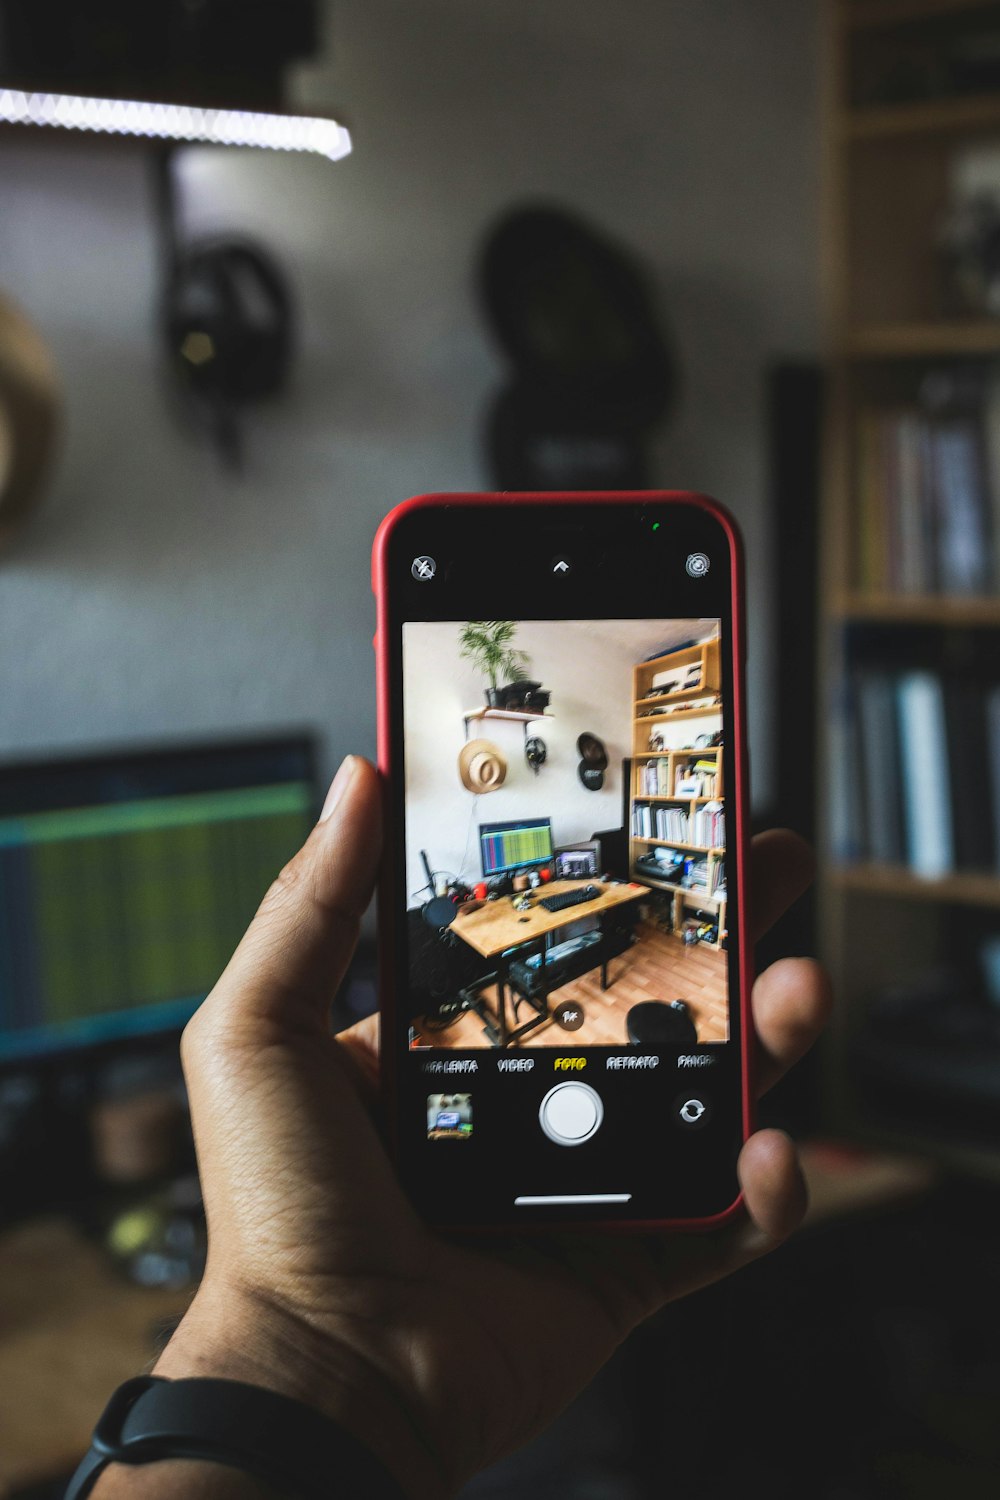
pixel 918 609
pixel 689 713
pixel 860 15
pixel 964 889
pixel 966 116
pixel 677 759
pixel 922 340
pixel 676 844
pixel 658 797
pixel 889 170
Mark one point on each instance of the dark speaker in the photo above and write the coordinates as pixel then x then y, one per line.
pixel 226 53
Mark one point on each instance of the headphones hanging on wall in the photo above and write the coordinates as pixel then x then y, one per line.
pixel 228 321
pixel 535 752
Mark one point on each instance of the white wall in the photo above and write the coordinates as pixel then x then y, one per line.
pixel 158 597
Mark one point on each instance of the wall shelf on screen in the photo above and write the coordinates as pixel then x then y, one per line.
pixel 513 715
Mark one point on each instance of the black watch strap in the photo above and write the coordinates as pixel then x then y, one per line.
pixel 247 1427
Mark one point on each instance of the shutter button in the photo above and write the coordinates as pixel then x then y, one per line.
pixel 571 1113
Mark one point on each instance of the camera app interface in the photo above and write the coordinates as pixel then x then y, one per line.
pixel 565 796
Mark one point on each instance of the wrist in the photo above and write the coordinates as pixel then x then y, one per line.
pixel 233 1335
pixel 181 1479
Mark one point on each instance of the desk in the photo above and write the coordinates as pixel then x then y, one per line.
pixel 498 926
pixel 71 1330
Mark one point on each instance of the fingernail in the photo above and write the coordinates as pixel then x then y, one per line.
pixel 339 786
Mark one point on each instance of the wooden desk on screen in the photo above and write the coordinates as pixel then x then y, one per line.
pixel 499 927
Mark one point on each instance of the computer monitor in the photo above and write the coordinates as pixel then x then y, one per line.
pixel 505 847
pixel 126 881
pixel 578 861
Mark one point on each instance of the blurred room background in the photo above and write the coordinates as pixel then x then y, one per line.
pixel 221 365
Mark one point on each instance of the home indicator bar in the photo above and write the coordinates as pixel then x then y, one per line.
pixel 532 1202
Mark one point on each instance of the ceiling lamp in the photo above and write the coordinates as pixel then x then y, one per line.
pixel 177 122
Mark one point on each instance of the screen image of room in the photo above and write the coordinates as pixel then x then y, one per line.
pixel 564 831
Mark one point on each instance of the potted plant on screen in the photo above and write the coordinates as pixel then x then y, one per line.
pixel 488 644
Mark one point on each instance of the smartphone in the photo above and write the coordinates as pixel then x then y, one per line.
pixel 565 974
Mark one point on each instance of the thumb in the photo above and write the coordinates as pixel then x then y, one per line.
pixel 297 948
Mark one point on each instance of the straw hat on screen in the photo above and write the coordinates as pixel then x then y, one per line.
pixel 481 766
pixel 29 415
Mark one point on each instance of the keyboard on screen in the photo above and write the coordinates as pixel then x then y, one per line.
pixel 570 898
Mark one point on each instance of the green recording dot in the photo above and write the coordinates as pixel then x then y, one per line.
pixel 656 525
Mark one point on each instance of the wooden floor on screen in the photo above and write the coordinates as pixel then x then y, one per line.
pixel 660 966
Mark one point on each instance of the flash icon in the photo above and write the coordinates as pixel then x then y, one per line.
pixel 423 569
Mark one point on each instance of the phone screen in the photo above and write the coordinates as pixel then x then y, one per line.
pixel 564 987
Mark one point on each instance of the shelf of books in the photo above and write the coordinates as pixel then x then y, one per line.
pixel 677 832
pixel 878 14
pixel 917 609
pixel 950 117
pixel 921 340
pixel 910 777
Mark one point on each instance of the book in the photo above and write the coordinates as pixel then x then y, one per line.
pixel 870 530
pixel 848 833
pixel 924 764
pixel 991 444
pixel 914 500
pixel 959 480
pixel 927 488
pixel 880 763
pixel 972 810
pixel 992 714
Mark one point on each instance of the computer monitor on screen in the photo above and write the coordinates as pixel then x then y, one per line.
pixel 127 880
pixel 506 847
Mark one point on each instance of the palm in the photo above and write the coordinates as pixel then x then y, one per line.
pixel 535 1319
pixel 485 1342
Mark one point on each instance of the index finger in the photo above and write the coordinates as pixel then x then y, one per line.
pixel 295 952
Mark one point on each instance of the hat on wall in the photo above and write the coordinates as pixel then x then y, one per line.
pixel 592 751
pixel 481 766
pixel 594 761
pixel 29 406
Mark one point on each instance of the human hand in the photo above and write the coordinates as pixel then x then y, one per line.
pixel 321 1280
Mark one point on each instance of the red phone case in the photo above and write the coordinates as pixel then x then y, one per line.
pixel 387 1006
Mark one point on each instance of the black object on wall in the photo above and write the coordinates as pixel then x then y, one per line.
pixel 592 371
pixel 227 315
pixel 229 324
pixel 222 53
